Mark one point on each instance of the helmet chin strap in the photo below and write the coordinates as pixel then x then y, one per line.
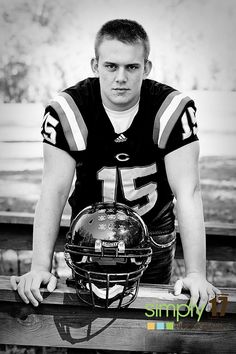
pixel 102 293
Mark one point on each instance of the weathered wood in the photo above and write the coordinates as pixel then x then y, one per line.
pixel 16 233
pixel 62 321
pixel 9 262
pixel 214 229
pixel 148 293
pixel 20 218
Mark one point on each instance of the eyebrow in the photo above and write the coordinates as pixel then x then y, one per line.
pixel 110 62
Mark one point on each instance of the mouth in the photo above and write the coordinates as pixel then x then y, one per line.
pixel 121 89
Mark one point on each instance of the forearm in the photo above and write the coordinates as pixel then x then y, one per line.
pixel 58 174
pixel 192 231
pixel 183 176
pixel 46 227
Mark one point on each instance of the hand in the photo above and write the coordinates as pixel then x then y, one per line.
pixel 28 285
pixel 200 290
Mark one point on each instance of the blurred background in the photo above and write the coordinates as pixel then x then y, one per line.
pixel 46 45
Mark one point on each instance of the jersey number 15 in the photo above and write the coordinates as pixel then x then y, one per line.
pixel 128 178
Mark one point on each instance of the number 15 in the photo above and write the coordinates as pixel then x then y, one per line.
pixel 128 177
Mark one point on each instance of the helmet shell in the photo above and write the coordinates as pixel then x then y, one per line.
pixel 108 250
pixel 109 223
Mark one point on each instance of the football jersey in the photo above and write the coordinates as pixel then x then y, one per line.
pixel 127 167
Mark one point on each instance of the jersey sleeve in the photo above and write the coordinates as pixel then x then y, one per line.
pixel 52 131
pixel 64 125
pixel 184 131
pixel 175 123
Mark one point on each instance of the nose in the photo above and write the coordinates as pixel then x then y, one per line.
pixel 121 75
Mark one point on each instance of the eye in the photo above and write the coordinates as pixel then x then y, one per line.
pixel 132 67
pixel 110 67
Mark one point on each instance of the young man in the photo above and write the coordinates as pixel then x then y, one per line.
pixel 130 140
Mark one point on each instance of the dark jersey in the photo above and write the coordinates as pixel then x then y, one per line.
pixel 128 167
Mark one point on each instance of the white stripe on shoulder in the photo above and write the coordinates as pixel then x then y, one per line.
pixel 78 137
pixel 169 111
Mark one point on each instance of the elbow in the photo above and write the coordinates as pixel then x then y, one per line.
pixel 196 189
pixel 190 191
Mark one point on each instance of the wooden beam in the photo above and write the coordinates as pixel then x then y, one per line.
pixel 62 321
pixel 16 233
pixel 19 218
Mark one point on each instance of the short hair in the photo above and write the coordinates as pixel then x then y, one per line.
pixel 126 31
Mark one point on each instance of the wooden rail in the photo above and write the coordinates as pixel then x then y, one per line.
pixel 62 321
pixel 16 233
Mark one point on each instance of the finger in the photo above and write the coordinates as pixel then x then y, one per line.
pixel 203 299
pixel 211 296
pixel 35 286
pixel 52 284
pixel 194 297
pixel 21 290
pixel 216 290
pixel 178 287
pixel 14 280
pixel 28 292
pixel 213 292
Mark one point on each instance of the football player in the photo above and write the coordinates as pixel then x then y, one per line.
pixel 130 140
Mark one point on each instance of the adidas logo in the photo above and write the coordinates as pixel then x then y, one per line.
pixel 120 139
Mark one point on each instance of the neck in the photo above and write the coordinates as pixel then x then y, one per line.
pixel 119 107
pixel 125 110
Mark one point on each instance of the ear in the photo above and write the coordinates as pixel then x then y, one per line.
pixel 147 69
pixel 94 66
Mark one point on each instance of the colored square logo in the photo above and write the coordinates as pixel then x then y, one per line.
pixel 170 325
pixel 151 325
pixel 160 325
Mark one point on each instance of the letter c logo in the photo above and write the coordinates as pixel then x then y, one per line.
pixel 122 157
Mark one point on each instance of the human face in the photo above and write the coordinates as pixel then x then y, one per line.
pixel 121 68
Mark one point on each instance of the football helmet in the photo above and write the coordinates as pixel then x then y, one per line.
pixel 108 250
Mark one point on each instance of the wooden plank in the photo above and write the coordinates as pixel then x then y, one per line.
pixel 62 321
pixel 7 217
pixel 16 233
pixel 148 293
pixel 19 237
pixel 17 229
pixel 20 218
pixel 218 248
pixel 84 328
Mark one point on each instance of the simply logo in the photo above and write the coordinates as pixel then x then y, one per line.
pixel 183 310
pixel 177 310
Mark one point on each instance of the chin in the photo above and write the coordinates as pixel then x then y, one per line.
pixel 121 101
